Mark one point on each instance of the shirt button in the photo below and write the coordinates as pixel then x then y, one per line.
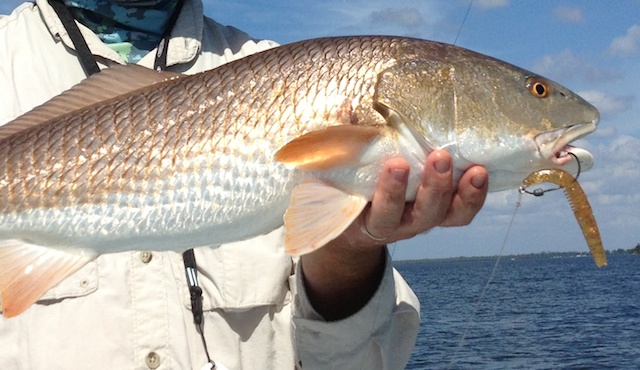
pixel 153 360
pixel 146 256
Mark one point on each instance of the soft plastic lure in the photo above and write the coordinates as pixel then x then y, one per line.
pixel 579 204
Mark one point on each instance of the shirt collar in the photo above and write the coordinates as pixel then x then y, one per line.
pixel 184 46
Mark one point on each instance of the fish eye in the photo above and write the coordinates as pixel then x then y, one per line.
pixel 538 87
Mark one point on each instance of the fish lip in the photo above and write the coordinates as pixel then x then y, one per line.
pixel 553 145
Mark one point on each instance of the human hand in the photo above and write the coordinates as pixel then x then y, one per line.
pixel 343 275
pixel 388 218
pixel 437 203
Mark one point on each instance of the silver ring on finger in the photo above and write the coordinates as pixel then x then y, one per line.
pixel 366 232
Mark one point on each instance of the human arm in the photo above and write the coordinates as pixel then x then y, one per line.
pixel 353 310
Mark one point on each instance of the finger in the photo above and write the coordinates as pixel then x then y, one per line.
pixel 434 194
pixel 469 198
pixel 388 202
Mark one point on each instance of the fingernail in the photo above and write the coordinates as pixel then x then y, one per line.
pixel 399 174
pixel 443 165
pixel 478 181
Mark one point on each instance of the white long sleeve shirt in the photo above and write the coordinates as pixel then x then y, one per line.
pixel 131 310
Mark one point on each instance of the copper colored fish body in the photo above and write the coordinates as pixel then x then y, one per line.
pixel 133 159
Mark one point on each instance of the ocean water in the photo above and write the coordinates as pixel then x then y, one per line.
pixel 537 313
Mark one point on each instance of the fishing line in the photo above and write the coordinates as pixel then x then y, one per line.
pixel 486 286
pixel 464 20
pixel 537 192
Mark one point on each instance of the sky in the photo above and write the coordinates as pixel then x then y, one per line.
pixel 590 46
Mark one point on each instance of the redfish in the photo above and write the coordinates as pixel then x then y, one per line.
pixel 133 159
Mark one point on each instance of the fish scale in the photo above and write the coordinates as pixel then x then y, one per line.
pixel 297 135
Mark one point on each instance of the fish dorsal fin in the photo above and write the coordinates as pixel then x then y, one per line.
pixel 332 147
pixel 108 84
pixel 28 271
pixel 317 214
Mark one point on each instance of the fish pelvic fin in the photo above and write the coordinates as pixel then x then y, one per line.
pixel 332 147
pixel 28 271
pixel 317 214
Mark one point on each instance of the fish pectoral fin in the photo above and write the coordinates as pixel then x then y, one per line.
pixel 332 147
pixel 28 271
pixel 317 214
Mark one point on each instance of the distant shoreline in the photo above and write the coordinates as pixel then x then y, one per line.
pixel 517 256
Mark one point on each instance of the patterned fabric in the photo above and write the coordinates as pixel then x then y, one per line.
pixel 130 27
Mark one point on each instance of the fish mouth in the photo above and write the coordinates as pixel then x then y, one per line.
pixel 554 145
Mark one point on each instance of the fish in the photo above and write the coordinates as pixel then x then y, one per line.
pixel 135 159
pixel 579 204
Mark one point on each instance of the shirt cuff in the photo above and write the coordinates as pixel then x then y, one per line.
pixel 392 311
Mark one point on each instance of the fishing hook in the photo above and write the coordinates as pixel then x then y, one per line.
pixel 540 192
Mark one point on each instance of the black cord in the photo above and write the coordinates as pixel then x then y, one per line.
pixel 195 292
pixel 87 60
pixel 160 62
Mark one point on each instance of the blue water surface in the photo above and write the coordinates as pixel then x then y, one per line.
pixel 537 313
